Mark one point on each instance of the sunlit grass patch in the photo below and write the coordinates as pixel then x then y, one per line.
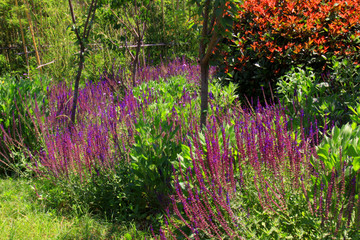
pixel 23 216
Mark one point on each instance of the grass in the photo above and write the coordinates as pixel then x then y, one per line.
pixel 24 216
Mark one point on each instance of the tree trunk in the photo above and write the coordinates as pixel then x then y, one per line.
pixel 82 41
pixel 32 34
pixel 163 18
pixel 76 87
pixel 204 68
pixel 136 61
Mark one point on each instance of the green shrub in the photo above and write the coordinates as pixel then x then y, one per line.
pixel 336 170
pixel 341 151
pixel 355 116
pixel 18 96
pixel 271 36
pixel 153 153
pixel 101 194
pixel 324 98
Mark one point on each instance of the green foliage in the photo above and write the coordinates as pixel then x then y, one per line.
pixel 355 116
pixel 308 96
pixel 18 96
pixel 296 83
pixel 224 96
pixel 342 146
pixel 4 64
pixel 344 78
pixel 101 194
pixel 174 95
pixel 9 28
pixel 336 169
pixel 15 90
pixel 294 222
pixel 25 215
pixel 156 145
pixel 153 153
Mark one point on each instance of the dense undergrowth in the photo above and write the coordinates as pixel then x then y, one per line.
pixel 139 155
pixel 136 164
pixel 23 216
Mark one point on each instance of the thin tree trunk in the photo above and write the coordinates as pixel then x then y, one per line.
pixel 163 17
pixel 32 34
pixel 85 35
pixel 76 87
pixel 205 52
pixel 204 68
pixel 136 61
pixel 144 58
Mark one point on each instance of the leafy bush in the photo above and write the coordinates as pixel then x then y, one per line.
pixel 18 96
pixel 323 100
pixel 355 115
pixel 272 36
pixel 340 152
pixel 338 173
pixel 253 180
pixel 100 194
pixel 154 151
pixel 344 139
pixel 158 138
pixel 223 96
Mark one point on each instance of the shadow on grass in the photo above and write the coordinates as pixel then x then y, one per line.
pixel 24 216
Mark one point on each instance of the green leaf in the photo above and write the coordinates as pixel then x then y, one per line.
pixel 346 132
pixel 323 151
pixel 218 12
pixel 353 150
pixel 356 163
pixel 335 134
pixel 185 151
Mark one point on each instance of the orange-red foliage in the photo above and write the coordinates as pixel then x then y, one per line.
pixel 287 31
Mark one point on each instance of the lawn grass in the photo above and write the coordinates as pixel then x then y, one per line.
pixel 23 216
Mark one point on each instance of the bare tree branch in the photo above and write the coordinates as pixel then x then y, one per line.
pixel 128 49
pixel 212 24
pixel 213 42
pixel 129 28
pixel 73 20
pixel 88 18
pixel 91 21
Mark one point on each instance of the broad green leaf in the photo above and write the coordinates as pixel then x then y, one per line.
pixel 356 163
pixel 185 151
pixel 345 133
pixel 353 150
pixel 335 134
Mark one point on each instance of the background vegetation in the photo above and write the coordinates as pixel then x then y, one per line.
pixel 168 24
pixel 275 156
